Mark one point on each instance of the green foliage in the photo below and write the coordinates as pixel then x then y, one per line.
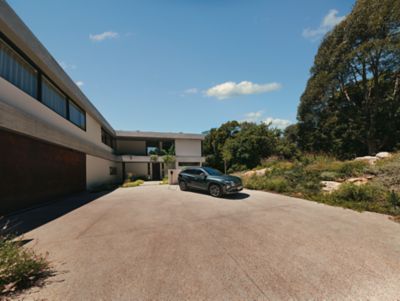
pixel 359 193
pixel 132 184
pixel 169 160
pixel 277 184
pixel 19 267
pixel 329 176
pixel 387 172
pixel 351 105
pixel 154 158
pixel 368 197
pixel 164 181
pixel 394 199
pixel 242 145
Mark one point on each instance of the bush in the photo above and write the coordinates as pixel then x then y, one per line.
pixel 353 168
pixel 277 184
pixel 164 181
pixel 359 193
pixel 132 184
pixel 388 173
pixel 19 267
pixel 329 176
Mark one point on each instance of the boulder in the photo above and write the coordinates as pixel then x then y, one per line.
pixel 261 172
pixel 369 159
pixel 258 173
pixel 383 155
pixel 249 173
pixel 358 181
pixel 330 186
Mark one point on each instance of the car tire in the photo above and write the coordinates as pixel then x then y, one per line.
pixel 183 185
pixel 215 190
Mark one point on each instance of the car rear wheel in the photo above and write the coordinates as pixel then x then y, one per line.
pixel 215 190
pixel 183 185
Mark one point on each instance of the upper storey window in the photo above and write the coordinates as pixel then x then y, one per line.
pixel 17 71
pixel 54 98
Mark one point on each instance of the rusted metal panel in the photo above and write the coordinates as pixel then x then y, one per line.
pixel 34 171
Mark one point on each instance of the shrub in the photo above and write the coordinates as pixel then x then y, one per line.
pixel 394 200
pixel 353 168
pixel 359 193
pixel 329 176
pixel 133 184
pixel 277 184
pixel 19 267
pixel 164 181
pixel 388 172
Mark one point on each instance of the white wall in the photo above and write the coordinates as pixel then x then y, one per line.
pixel 190 148
pixel 131 147
pixel 98 171
pixel 137 169
pixel 15 97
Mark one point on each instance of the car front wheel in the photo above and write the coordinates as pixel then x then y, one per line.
pixel 183 185
pixel 215 190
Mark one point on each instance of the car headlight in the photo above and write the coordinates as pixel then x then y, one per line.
pixel 230 183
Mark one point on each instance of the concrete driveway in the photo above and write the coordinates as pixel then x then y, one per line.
pixel 158 243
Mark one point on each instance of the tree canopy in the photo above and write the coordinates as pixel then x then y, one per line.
pixel 238 146
pixel 351 104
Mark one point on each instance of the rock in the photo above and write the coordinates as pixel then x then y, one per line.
pixel 249 173
pixel 369 159
pixel 261 172
pixel 330 186
pixel 358 181
pixel 258 173
pixel 383 155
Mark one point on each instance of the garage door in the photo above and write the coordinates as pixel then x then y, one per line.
pixel 34 171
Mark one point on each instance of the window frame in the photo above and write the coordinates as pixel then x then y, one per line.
pixel 39 75
pixel 24 60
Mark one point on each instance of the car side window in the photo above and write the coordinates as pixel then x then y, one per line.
pixel 189 171
pixel 197 172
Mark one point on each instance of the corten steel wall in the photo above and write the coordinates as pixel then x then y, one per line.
pixel 32 171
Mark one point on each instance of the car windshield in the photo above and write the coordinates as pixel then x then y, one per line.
pixel 212 171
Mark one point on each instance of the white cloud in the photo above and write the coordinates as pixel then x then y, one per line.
pixel 79 83
pixel 328 23
pixel 103 36
pixel 253 116
pixel 277 123
pixel 231 89
pixel 67 66
pixel 259 117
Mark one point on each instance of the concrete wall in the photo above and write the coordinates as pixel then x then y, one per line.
pixel 137 169
pixel 190 148
pixel 17 98
pixel 137 148
pixel 98 171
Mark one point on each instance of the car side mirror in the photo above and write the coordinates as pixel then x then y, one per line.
pixel 203 175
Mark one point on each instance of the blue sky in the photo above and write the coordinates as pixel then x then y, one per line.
pixel 185 65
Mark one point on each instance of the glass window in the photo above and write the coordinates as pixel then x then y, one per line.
pixel 76 115
pixel 17 71
pixel 53 98
pixel 107 139
pixel 212 171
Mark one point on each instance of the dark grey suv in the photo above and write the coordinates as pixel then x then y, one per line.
pixel 209 179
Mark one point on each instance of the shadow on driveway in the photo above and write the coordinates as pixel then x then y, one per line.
pixel 25 220
pixel 236 196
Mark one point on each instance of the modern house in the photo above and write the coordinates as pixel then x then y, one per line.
pixel 53 140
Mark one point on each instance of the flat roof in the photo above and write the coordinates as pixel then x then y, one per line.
pixel 158 135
